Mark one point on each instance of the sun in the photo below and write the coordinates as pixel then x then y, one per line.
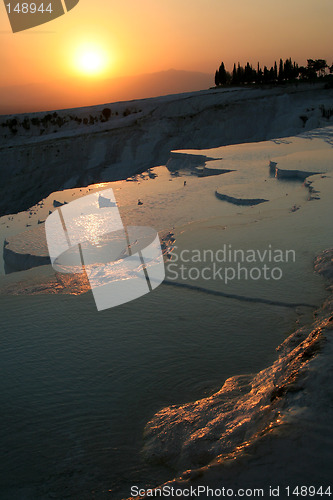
pixel 91 60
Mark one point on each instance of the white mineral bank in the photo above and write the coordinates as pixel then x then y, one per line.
pixel 77 147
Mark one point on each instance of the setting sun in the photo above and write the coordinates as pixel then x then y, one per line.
pixel 91 61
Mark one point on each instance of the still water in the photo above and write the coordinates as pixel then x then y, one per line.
pixel 77 387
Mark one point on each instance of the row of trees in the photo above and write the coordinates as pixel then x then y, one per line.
pixel 287 71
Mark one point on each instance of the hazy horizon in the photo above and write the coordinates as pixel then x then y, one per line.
pixel 32 97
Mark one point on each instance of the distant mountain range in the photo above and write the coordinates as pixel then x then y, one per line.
pixel 80 92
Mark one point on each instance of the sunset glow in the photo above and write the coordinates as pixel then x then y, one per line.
pixel 57 64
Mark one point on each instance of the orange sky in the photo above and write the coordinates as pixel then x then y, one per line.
pixel 145 36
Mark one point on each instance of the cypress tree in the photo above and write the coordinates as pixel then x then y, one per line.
pixel 240 74
pixel 234 74
pixel 222 74
pixel 281 72
pixel 275 71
